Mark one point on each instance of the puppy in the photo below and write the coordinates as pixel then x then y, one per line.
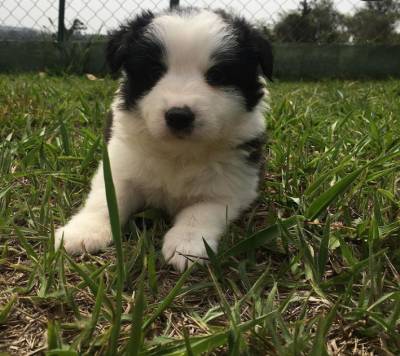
pixel 186 129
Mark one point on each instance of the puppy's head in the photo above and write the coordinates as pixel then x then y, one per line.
pixel 190 74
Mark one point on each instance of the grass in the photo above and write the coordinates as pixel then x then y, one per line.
pixel 313 269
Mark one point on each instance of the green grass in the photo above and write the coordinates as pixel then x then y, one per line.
pixel 313 269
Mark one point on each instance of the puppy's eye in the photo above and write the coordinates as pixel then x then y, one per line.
pixel 216 76
pixel 156 70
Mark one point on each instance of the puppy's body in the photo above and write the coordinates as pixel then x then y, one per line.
pixel 185 125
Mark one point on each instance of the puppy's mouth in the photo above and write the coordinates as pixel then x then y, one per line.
pixel 183 133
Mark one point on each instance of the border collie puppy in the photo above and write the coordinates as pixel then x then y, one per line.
pixel 186 129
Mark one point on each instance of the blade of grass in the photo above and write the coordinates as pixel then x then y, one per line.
pixel 326 198
pixel 136 335
pixel 116 234
pixel 113 213
pixel 6 309
pixel 319 346
pixel 261 237
pixel 90 328
pixel 90 282
pixel 189 351
pixel 53 335
pixel 151 268
pixel 65 138
pixel 164 304
pixel 205 344
pixel 213 260
pixel 30 252
pixel 61 352
pixel 323 253
pixel 322 178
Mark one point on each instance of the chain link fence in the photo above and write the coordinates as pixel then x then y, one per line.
pixel 320 21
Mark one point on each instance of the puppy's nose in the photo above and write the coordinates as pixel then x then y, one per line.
pixel 179 119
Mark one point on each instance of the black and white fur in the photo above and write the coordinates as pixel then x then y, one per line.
pixel 186 129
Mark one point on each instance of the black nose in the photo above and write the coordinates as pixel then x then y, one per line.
pixel 180 119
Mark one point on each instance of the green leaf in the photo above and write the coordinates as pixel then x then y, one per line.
pixel 53 335
pixel 189 351
pixel 113 213
pixel 326 198
pixel 323 253
pixel 26 245
pixel 262 237
pixel 5 191
pixel 136 335
pixel 165 303
pixel 61 352
pixel 6 309
pixel 116 233
pixel 89 157
pixel 213 260
pixel 94 288
pixel 383 298
pixel 151 268
pixel 393 320
pixel 90 328
pixel 319 344
pixel 204 344
pixel 322 178
pixel 257 286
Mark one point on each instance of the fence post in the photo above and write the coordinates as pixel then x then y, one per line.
pixel 173 4
pixel 61 25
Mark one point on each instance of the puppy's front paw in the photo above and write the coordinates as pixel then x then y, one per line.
pixel 184 245
pixel 84 233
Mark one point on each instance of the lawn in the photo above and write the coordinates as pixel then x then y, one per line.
pixel 312 269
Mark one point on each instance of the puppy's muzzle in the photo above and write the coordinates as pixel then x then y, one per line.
pixel 180 119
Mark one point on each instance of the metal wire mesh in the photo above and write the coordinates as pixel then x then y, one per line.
pixel 26 19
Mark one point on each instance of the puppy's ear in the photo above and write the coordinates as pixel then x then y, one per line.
pixel 264 53
pixel 248 34
pixel 116 48
pixel 121 40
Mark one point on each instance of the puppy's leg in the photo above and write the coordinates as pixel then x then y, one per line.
pixel 184 241
pixel 90 228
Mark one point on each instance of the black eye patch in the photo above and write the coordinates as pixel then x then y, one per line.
pixel 217 75
pixel 144 68
pixel 239 72
pixel 149 70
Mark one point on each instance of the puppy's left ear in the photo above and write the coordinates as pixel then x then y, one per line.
pixel 264 53
pixel 124 38
pixel 117 49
